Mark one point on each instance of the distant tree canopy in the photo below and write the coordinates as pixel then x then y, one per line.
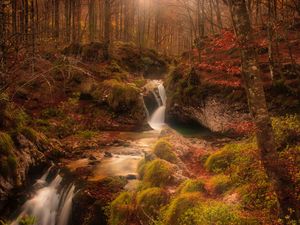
pixel 171 26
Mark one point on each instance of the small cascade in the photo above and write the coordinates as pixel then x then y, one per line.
pixel 157 119
pixel 50 205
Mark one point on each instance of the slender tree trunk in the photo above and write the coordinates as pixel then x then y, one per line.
pixel 107 27
pixel 258 108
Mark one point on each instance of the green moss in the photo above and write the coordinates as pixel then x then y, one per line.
pixel 196 185
pixel 35 137
pixel 122 96
pixel 149 203
pixel 164 150
pixel 4 167
pixel 221 160
pixel 221 183
pixel 121 209
pixel 6 144
pixel 30 134
pixel 212 213
pixel 286 130
pixel 87 134
pixel 51 113
pixel 12 162
pixel 179 206
pixel 141 168
pixel 158 173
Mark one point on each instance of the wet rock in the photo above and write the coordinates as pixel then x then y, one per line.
pixel 108 154
pixel 91 157
pixel 131 177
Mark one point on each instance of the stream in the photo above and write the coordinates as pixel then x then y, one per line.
pixel 51 201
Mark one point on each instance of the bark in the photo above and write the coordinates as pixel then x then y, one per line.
pixel 283 185
pixel 107 27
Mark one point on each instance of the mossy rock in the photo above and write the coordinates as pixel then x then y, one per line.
pixel 179 205
pixel 35 137
pixel 149 203
pixel 121 209
pixel 196 185
pixel 221 183
pixel 219 161
pixel 158 173
pixel 122 96
pixel 164 150
pixel 6 144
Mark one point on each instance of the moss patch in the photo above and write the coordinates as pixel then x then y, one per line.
pixel 164 150
pixel 6 144
pixel 121 209
pixel 149 203
pixel 179 206
pixel 158 173
pixel 196 185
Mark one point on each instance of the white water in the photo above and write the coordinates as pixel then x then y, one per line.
pixel 49 205
pixel 157 119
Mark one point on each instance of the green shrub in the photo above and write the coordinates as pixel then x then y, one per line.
pixel 196 185
pixel 221 183
pixel 121 209
pixel 178 206
pixel 30 134
pixel 164 150
pixel 149 203
pixel 158 173
pixel 286 130
pixel 6 144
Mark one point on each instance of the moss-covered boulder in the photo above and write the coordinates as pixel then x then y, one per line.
pixel 121 209
pixel 192 185
pixel 179 205
pixel 164 150
pixel 158 173
pixel 149 203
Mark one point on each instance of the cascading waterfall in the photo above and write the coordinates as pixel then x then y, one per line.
pixel 157 119
pixel 49 205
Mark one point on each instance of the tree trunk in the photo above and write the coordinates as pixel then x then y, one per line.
pixel 107 26
pixel 258 109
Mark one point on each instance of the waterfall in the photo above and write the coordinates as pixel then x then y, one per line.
pixel 157 119
pixel 49 205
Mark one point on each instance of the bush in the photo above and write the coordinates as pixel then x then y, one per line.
pixel 192 186
pixel 158 173
pixel 164 150
pixel 6 144
pixel 149 203
pixel 220 183
pixel 177 208
pixel 121 209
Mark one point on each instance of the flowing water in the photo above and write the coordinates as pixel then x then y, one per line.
pixel 157 119
pixel 50 205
